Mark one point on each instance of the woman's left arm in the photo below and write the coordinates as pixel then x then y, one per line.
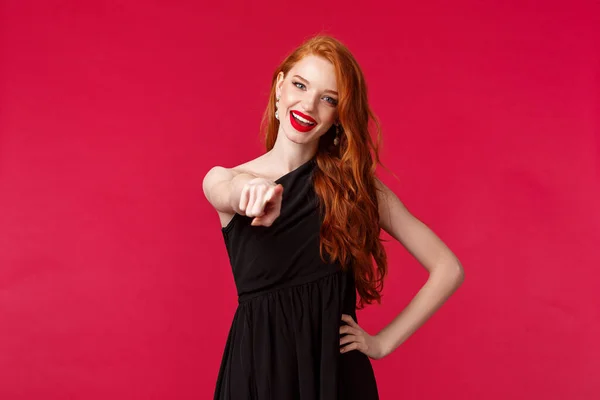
pixel 445 276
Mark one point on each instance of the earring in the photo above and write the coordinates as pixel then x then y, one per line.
pixel 276 107
pixel 336 141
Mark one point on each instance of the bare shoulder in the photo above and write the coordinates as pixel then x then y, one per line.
pixel 394 216
pixel 219 173
pixel 258 167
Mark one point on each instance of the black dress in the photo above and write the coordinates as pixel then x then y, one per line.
pixel 283 343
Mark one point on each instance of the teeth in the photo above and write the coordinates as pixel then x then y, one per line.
pixel 299 118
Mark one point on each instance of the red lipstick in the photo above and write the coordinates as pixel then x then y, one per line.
pixel 301 126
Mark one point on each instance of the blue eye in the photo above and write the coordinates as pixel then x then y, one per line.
pixel 298 83
pixel 333 101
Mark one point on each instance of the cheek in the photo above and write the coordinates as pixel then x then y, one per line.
pixel 329 116
pixel 289 97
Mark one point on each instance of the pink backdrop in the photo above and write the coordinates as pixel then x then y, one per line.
pixel 114 278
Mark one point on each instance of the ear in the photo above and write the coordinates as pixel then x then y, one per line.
pixel 280 78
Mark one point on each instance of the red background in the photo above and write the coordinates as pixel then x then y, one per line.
pixel 114 278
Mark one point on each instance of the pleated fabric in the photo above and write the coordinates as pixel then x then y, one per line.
pixel 284 338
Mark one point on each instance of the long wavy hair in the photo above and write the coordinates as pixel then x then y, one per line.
pixel 345 178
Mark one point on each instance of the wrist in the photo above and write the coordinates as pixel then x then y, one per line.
pixel 387 345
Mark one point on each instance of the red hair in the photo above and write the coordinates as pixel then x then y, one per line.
pixel 345 178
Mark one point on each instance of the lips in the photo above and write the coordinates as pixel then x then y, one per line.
pixel 301 127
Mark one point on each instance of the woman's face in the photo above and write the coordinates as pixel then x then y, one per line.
pixel 308 93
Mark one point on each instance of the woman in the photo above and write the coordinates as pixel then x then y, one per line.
pixel 301 225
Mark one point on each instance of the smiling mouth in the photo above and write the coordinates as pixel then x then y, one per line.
pixel 301 120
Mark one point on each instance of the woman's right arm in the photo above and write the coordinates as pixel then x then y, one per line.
pixel 232 192
pixel 223 188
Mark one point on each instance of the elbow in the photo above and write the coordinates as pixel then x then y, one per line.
pixel 458 273
pixel 452 272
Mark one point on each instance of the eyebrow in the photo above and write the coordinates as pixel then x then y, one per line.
pixel 328 90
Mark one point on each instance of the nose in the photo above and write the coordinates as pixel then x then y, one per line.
pixel 308 103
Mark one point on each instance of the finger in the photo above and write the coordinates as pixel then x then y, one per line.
pixel 350 347
pixel 257 205
pixel 244 199
pixel 271 210
pixel 349 320
pixel 260 223
pixel 348 339
pixel 268 220
pixel 251 200
pixel 274 192
pixel 349 330
pixel 346 329
pixel 270 194
pixel 277 190
pixel 261 220
pixel 267 217
pixel 260 200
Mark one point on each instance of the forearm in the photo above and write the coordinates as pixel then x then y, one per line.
pixel 441 283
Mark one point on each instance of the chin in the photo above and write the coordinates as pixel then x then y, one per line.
pixel 301 138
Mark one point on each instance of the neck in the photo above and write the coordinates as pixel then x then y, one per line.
pixel 285 156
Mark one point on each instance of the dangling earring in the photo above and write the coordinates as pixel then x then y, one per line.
pixel 276 107
pixel 336 141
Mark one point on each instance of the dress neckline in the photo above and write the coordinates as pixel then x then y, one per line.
pixel 297 169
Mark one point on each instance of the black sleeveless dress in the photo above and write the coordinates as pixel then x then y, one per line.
pixel 283 343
